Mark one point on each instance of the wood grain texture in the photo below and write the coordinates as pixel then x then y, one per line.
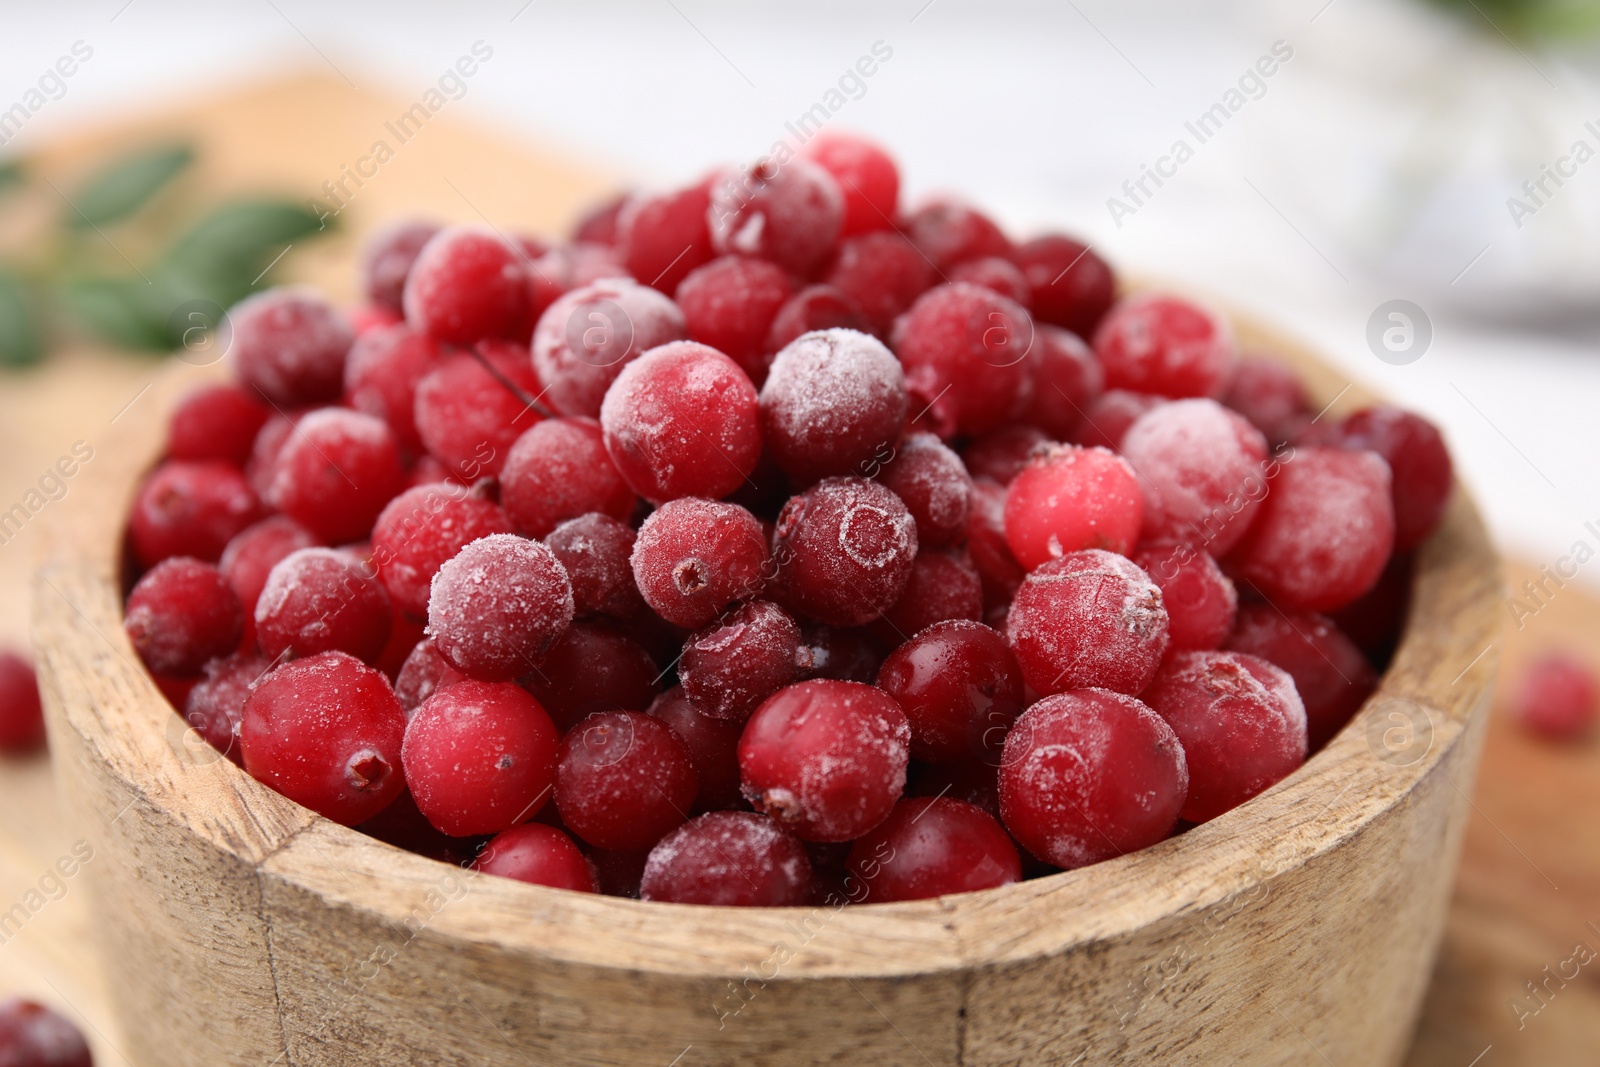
pixel 1302 923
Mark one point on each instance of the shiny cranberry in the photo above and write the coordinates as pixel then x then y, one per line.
pixel 961 689
pixel 289 345
pixel 1330 674
pixel 190 509
pixel 539 855
pixel 867 176
pixel 624 780
pixel 729 858
pixel 182 613
pixel 216 422
pixel 1070 498
pixel 559 470
pixel 468 284
pixel 713 746
pixel 932 847
pixel 834 402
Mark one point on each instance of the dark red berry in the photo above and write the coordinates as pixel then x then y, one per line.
pixel 867 176
pixel 424 673
pixel 961 689
pixel 386 260
pixel 965 350
pixel 986 544
pixel 31 1035
pixel 585 339
pixel 1067 380
pixel 844 550
pixel 567 267
pixel 1005 453
pixel 943 585
pixel 498 605
pixel 190 509
pixel 321 600
pixel 382 374
pixel 215 706
pixel 599 224
pixel 664 236
pixel 845 654
pixel 997 273
pixel 1108 417
pixel 1271 396
pixel 975 781
pixel 949 232
pixel 593 667
pixel 713 746
pixel 882 274
pixel 217 422
pixel 728 858
pixel 790 213
pixel 1331 676
pixel 422 528
pixel 931 847
pixel 182 613
pixel 467 416
pixel 816 307
pixel 1417 458
pixel 540 855
pixel 467 284
pixel 336 472
pixel 733 665
pixel 834 402
pixel 252 554
pixel 1154 343
pixel 21 714
pixel 597 552
pixel 694 557
pixel 1072 287
pixel 730 303
pixel 932 482
pixel 1201 602
pixel 1201 468
pixel 289 345
pixel 623 780
pixel 559 470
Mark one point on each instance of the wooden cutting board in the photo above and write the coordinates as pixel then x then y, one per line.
pixel 1530 880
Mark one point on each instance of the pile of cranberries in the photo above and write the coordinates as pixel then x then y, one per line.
pixel 768 544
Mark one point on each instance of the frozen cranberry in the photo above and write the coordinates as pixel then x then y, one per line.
pixel 423 673
pixel 1091 619
pixel 1270 395
pixel 182 613
pixel 826 759
pixel 943 585
pixel 1331 676
pixel 694 557
pixel 21 714
pixel 1067 380
pixel 1201 468
pixel 252 554
pixel 845 654
pixel 790 213
pixel 1089 775
pixel 31 1035
pixel 559 470
pixel 216 422
pixel 289 345
pixel 1072 287
pixel 976 782
pixel 382 374
pixel 1107 418
pixel 540 855
pixel 619 871
pixel 264 451
pixel 729 858
pixel 845 549
pixel 833 401
pixel 736 663
pixel 405 632
pixel 867 176
pixel 1154 343
pixel 320 600
pixel 965 351
pixel 931 847
pixel 713 746
pixel 1417 459
pixel 1068 499
pixel 325 732
pixel 175 688
pixel 624 780
pixel 997 273
pixel 422 528
pixel 215 706
pixel 567 267
pixel 594 667
pixel 1201 601
pixel 1003 454
pixel 949 232
pixel 190 509
pixel 585 338
pixel 882 274
pixel 467 284
pixel 498 605
pixel 662 237
pixel 336 472
pixel 1374 619
pixel 986 544
pixel 932 482
pixel 959 686
pixel 467 417
pixel 386 260
pixel 598 225
pixel 730 303
pixel 596 550
pixel 1241 723
pixel 816 307
pixel 1323 533
pixel 682 420
pixel 1556 696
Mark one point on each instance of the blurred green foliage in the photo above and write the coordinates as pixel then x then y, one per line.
pixel 1531 20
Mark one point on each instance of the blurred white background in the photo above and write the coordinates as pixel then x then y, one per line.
pixel 1375 164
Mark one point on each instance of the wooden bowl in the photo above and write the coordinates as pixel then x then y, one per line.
pixel 242 928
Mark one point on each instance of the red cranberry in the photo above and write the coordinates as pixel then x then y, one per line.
pixel 713 746
pixel 386 260
pixel 1330 674
pixel 264 451
pixel 31 1035
pixel 320 600
pixel 1107 418
pixel 949 232
pixel 480 757
pixel 619 871
pixel 867 177
pixel 467 284
pixel 1241 723
pixel 252 554
pixel 596 550
pixel 21 714
pixel 845 654
pixel 932 482
pixel 1200 465
pixel 882 274
pixel 1070 498
pixel 663 237
pixel 559 470
pixel 540 855
pixel 405 633
pixel 1072 287
pixel 844 549
pixel 834 402
pixel 1153 343
pixel 736 663
pixel 826 759
pixel 997 273
pixel 959 686
pixel 289 345
pixel 931 847
pixel 567 267
pixel 382 374
pixel 467 417
pixel 1005 453
pixel 682 420
pixel 424 673
pixel 1417 458
pixel 965 351
pixel 729 858
pixel 190 509
pixel 1323 533
pixel 1091 619
pixel 816 307
pixel 943 585
pixel 216 422
pixel 215 706
pixel 1067 380
pixel 498 605
pixel 336 472
pixel 789 212
pixel 325 732
pixel 1201 602
pixel 594 667
pixel 421 529
pixel 181 614
pixel 599 224
pixel 1270 395
pixel 369 317
pixel 986 544
pixel 585 338
pixel 730 303
pixel 694 557
pixel 1556 697
pixel 624 780
pixel 1089 775
pixel 976 782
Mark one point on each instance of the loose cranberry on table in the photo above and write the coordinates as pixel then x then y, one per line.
pixel 422 528
pixel 733 665
pixel 931 847
pixel 694 557
pixel 623 780
pixel 1155 343
pixel 1556 696
pixel 181 614
pixel 961 690
pixel 845 550
pixel 323 600
pixel 21 715
pixel 1068 499
pixel 470 415
pixel 498 605
pixel 965 351
pixel 868 179
pixel 790 212
pixel 539 854
pixel 289 345
pixel 32 1035
pixel 1417 458
pixel 467 284
pixel 1330 674
pixel 190 509
pixel 586 337
pixel 730 858
pixel 933 484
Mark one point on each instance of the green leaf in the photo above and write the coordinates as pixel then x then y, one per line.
pixel 238 240
pixel 20 343
pixel 11 174
pixel 120 310
pixel 127 185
